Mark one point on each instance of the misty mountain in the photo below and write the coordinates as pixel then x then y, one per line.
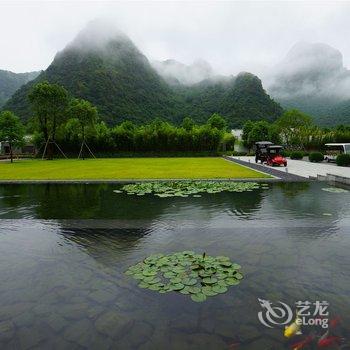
pixel 238 99
pixel 312 78
pixel 175 72
pixel 103 66
pixel 10 82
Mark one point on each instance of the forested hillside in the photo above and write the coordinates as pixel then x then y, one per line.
pixel 10 82
pixel 111 73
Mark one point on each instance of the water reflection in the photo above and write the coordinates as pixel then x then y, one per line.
pixel 64 250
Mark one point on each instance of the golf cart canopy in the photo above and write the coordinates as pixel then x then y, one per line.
pixel 344 147
pixel 263 143
pixel 275 147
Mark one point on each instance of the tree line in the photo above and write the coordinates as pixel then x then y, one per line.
pixel 294 130
pixel 71 125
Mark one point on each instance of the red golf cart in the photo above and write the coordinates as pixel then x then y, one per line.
pixel 274 156
pixel 269 153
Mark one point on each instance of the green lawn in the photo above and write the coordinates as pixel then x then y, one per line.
pixel 125 168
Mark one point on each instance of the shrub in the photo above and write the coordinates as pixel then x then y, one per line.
pixel 296 155
pixel 316 157
pixel 343 159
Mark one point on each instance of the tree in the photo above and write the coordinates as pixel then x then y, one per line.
pixel 11 130
pixel 294 127
pixel 247 127
pixel 188 123
pixel 217 121
pixel 49 103
pixel 86 114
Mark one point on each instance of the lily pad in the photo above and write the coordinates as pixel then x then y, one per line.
pixel 219 289
pixel 231 281
pixel 164 189
pixel 208 291
pixel 335 190
pixel 177 286
pixel 188 273
pixel 209 280
pixel 199 297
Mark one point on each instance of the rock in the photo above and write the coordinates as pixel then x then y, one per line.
pixel 94 311
pixel 61 344
pixel 80 332
pixel 197 341
pixel 24 320
pixel 225 329
pixel 248 333
pixel 7 330
pixel 42 309
pixel 100 342
pixel 29 337
pixel 140 333
pixel 102 296
pixel 73 311
pixel 112 323
pixel 56 322
pixel 12 310
pixel 266 344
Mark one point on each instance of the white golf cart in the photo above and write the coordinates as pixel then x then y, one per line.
pixel 334 149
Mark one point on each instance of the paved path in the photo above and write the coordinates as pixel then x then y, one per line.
pixel 303 168
pixel 276 172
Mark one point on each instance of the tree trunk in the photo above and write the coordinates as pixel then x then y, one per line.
pixel 49 151
pixel 82 149
pixel 11 153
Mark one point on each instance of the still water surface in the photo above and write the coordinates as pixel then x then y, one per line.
pixel 64 248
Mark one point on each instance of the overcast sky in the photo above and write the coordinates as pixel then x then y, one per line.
pixel 231 36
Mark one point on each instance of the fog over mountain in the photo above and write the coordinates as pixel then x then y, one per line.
pixel 175 72
pixel 312 78
pixel 310 69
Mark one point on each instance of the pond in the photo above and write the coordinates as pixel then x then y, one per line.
pixel 64 250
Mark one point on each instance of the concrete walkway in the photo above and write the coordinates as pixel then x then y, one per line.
pixel 305 169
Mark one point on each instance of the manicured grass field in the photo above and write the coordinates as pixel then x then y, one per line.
pixel 125 168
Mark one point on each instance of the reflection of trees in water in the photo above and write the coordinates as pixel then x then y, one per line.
pixel 104 243
pixel 306 199
pixel 97 201
pixel 244 203
pixel 68 201
pixel 292 189
pixel 13 197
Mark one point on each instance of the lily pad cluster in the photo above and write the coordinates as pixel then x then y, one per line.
pixel 198 275
pixel 187 188
pixel 335 190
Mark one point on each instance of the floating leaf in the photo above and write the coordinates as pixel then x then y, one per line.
pixel 198 298
pixel 177 286
pixel 164 189
pixel 239 276
pixel 231 281
pixel 208 291
pixel 209 280
pixel 236 266
pixel 189 281
pixel 219 289
pixel 335 190
pixel 188 273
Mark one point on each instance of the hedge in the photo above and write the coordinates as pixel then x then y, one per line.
pixel 316 157
pixel 343 159
pixel 296 155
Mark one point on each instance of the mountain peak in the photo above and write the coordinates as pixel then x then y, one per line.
pixel 304 56
pixel 97 34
